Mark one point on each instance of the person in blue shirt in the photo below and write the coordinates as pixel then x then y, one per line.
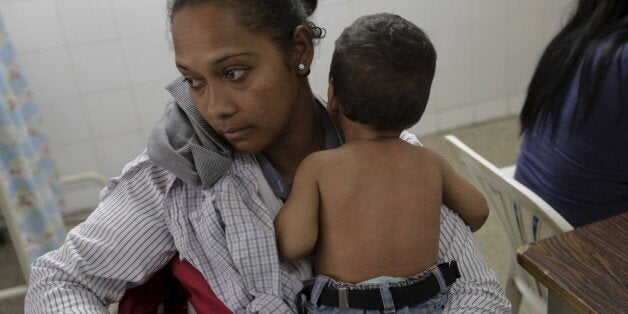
pixel 574 151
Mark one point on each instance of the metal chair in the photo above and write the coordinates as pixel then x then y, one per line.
pixel 525 216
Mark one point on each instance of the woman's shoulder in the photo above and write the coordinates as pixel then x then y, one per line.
pixel 612 90
pixel 622 61
pixel 618 58
pixel 140 170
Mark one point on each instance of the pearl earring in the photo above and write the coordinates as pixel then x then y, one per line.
pixel 301 66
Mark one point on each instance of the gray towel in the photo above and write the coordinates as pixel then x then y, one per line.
pixel 183 143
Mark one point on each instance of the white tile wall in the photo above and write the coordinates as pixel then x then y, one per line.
pixel 451 13
pixel 491 40
pixel 76 157
pixel 372 6
pixel 114 152
pixel 99 66
pixel 86 21
pixel 140 16
pixel 516 103
pixel 527 33
pixel 492 109
pixel 327 16
pixel 110 113
pixel 521 68
pixel 84 198
pixel 451 87
pixel 33 24
pixel 49 73
pixel 526 7
pixel 487 10
pixel 429 124
pixel 57 113
pixel 147 58
pixel 490 78
pixel 456 116
pixel 149 101
pixel 420 13
pixel 454 46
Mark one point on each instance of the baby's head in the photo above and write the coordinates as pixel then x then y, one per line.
pixel 382 70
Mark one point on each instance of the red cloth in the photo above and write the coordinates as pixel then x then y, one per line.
pixel 173 287
pixel 201 296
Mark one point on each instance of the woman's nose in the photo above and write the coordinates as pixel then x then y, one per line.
pixel 219 106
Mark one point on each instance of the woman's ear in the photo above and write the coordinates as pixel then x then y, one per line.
pixel 302 50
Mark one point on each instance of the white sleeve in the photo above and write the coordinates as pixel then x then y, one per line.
pixel 410 138
pixel 477 290
pixel 122 243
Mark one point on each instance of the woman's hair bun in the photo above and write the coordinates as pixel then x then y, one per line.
pixel 310 6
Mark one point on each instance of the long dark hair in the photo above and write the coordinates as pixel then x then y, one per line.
pixel 591 38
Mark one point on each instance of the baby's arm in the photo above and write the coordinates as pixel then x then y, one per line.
pixel 296 225
pixel 463 197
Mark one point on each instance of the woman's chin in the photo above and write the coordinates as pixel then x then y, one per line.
pixel 247 147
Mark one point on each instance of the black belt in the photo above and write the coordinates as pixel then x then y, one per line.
pixel 410 295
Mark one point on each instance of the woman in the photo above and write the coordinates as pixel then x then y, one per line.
pixel 216 169
pixel 574 152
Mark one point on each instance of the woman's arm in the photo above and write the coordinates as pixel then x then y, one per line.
pixel 296 225
pixel 122 243
pixel 463 197
pixel 477 290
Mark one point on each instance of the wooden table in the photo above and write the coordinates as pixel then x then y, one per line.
pixel 585 268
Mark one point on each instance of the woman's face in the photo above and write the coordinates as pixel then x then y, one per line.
pixel 239 81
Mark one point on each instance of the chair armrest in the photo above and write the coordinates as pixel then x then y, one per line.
pixel 13 292
pixel 88 176
pixel 509 171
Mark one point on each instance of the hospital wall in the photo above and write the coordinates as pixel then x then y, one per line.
pixel 97 68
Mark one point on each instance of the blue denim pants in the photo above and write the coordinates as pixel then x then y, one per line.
pixel 434 305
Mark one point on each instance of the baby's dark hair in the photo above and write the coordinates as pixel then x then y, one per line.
pixel 275 18
pixel 382 71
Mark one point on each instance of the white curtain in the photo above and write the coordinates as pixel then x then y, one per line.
pixel 30 195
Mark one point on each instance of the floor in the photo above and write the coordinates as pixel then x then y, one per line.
pixel 495 140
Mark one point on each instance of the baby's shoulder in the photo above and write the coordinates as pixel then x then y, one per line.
pixel 319 159
pixel 322 156
pixel 427 155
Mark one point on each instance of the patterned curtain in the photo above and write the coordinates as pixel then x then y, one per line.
pixel 28 179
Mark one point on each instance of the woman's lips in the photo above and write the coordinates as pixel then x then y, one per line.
pixel 234 134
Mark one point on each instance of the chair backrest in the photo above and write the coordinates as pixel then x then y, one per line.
pixel 525 216
pixel 515 204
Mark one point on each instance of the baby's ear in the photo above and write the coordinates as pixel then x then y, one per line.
pixel 333 104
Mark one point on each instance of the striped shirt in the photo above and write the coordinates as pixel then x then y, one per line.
pixel 147 215
pixel 226 232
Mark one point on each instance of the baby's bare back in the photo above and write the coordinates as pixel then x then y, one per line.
pixel 380 211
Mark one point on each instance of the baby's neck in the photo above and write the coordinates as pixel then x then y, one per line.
pixel 354 131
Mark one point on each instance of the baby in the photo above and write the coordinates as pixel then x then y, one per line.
pixel 369 211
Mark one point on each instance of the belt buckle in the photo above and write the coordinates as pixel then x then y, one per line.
pixel 453 264
pixel 343 296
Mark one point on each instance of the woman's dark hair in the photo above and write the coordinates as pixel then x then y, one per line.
pixel 275 18
pixel 382 71
pixel 590 39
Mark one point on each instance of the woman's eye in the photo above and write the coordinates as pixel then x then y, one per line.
pixel 194 82
pixel 234 74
